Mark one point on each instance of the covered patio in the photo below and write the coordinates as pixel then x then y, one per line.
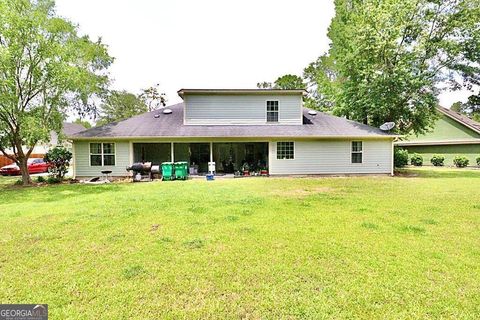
pixel 229 157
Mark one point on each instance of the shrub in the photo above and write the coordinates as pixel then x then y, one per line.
pixel 416 160
pixel 18 182
pixel 460 161
pixel 40 179
pixel 478 161
pixel 59 161
pixel 437 160
pixel 400 158
pixel 53 180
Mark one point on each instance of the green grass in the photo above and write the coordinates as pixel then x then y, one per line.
pixel 333 248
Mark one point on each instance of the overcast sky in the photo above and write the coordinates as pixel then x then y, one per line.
pixel 206 44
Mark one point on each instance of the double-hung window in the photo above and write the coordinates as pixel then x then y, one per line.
pixel 272 111
pixel 357 152
pixel 285 150
pixel 102 154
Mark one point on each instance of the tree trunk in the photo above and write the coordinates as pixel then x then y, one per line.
pixel 22 162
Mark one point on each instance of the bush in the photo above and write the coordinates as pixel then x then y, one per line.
pixel 478 161
pixel 416 160
pixel 40 179
pixel 460 161
pixel 59 160
pixel 400 158
pixel 53 180
pixel 437 160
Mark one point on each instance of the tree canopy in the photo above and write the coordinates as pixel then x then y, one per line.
pixel 46 67
pixel 388 60
pixel 120 105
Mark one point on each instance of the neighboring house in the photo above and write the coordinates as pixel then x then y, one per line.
pixel 41 149
pixel 453 134
pixel 265 129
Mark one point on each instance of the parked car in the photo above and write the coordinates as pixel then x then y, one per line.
pixel 35 165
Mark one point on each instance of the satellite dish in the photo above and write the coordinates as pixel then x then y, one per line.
pixel 387 126
pixel 312 112
pixel 167 111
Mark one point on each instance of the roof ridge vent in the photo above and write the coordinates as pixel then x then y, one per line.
pixel 167 111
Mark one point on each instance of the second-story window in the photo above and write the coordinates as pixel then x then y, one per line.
pixel 272 111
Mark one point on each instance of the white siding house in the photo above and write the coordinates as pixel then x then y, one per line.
pixel 241 131
pixel 333 157
pixel 241 110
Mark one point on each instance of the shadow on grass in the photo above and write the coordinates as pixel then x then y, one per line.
pixel 432 172
pixel 51 193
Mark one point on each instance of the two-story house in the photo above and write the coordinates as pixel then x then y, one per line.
pixel 260 129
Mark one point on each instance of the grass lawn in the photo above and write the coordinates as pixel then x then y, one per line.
pixel 357 247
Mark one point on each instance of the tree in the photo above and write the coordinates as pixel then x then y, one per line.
pixel 120 105
pixel 45 68
pixel 388 59
pixel 264 85
pixel 59 160
pixel 471 108
pixel 288 82
pixel 153 98
pixel 86 124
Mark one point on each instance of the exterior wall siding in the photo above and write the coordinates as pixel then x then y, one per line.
pixel 241 110
pixel 82 166
pixel 311 157
pixel 471 151
pixel 447 129
pixel 332 157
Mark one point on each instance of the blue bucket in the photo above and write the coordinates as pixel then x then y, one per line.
pixel 210 177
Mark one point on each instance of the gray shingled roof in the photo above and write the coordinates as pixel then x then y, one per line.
pixel 171 125
pixel 72 128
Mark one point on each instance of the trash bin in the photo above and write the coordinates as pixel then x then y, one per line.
pixel 167 171
pixel 181 170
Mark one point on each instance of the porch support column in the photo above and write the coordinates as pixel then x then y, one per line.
pixel 211 151
pixel 172 152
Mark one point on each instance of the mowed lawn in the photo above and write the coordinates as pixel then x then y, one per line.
pixel 333 248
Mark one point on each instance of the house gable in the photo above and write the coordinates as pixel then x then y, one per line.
pixel 446 129
pixel 241 107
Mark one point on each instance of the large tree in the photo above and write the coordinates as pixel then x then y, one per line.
pixel 389 59
pixel 153 98
pixel 45 67
pixel 120 105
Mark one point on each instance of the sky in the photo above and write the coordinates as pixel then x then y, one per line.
pixel 206 44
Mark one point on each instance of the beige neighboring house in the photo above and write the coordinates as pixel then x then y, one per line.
pixel 41 149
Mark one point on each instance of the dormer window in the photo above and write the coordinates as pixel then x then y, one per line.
pixel 272 111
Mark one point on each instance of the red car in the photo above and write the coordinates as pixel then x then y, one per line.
pixel 35 165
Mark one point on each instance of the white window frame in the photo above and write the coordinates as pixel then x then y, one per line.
pixel 352 152
pixel 276 150
pixel 266 111
pixel 102 154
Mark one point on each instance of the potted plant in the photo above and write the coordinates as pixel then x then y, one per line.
pixel 246 169
pixel 264 171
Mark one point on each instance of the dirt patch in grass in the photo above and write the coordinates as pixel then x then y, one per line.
pixel 304 192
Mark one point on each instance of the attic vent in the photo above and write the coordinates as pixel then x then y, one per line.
pixel 167 111
pixel 312 112
pixel 156 116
